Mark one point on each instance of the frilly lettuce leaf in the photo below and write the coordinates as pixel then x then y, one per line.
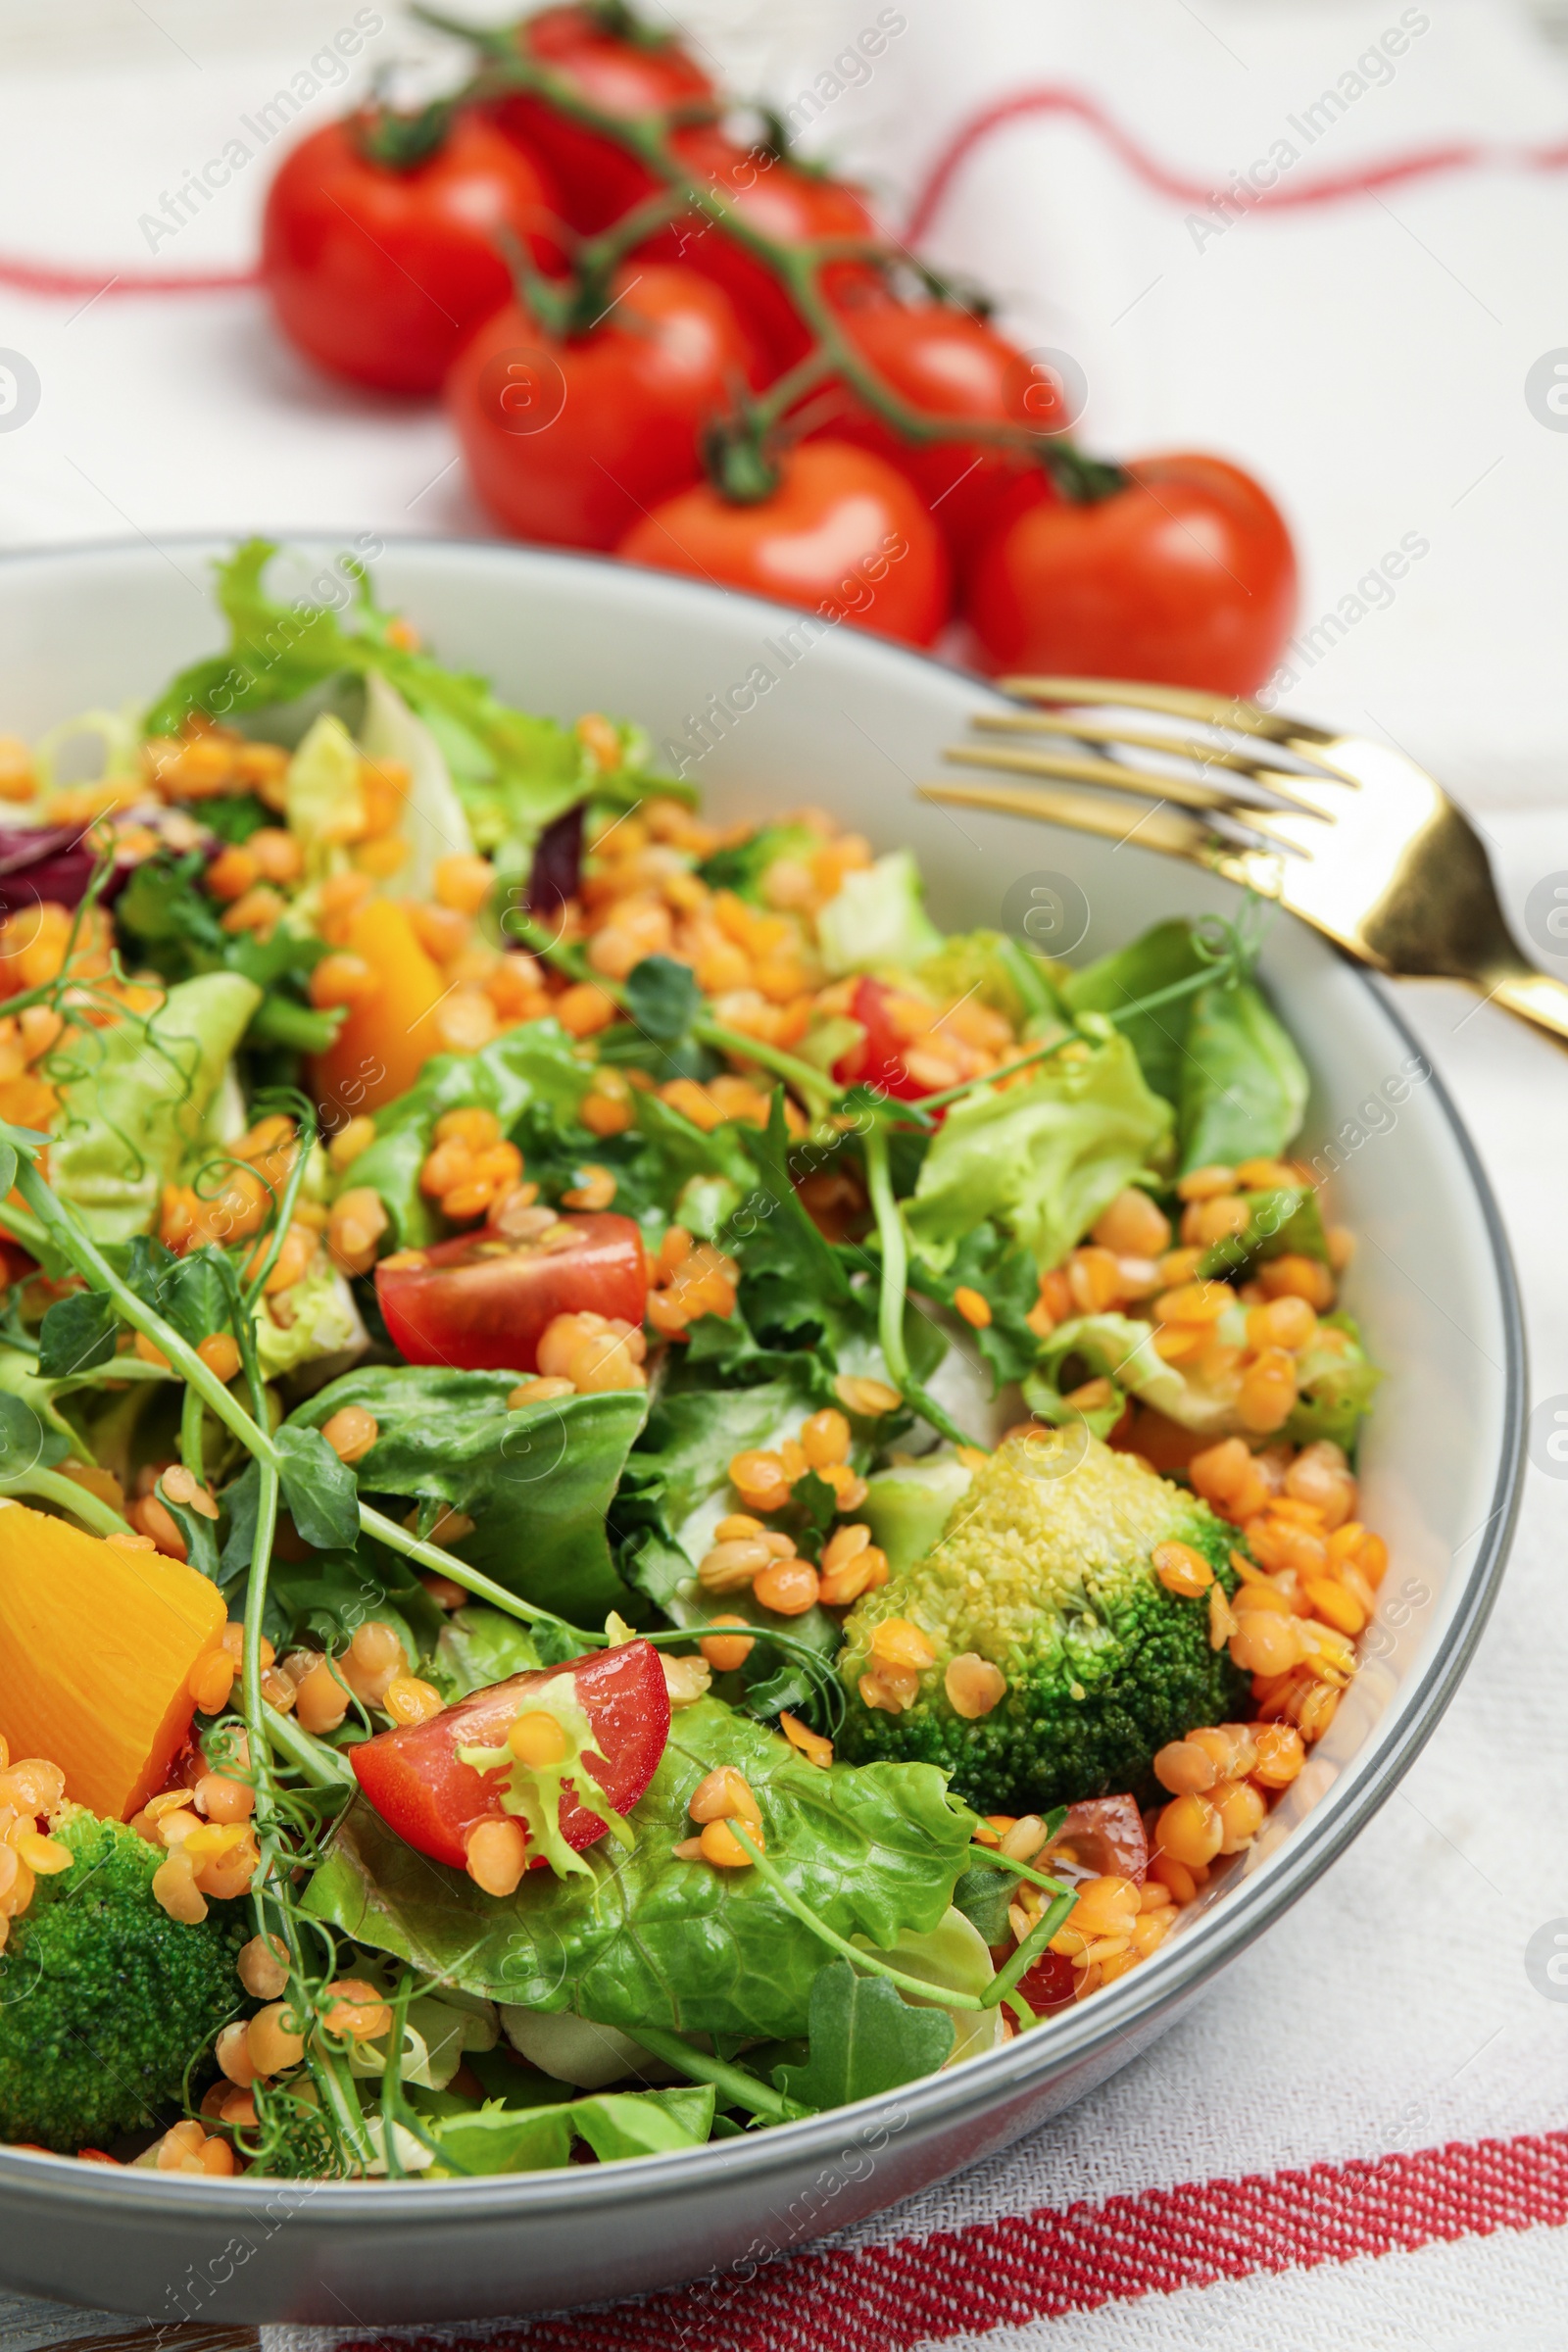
pixel 1336 1382
pixel 878 918
pixel 320 1320
pixel 648 1938
pixel 1040 1158
pixel 996 969
pixel 512 772
pixel 432 821
pixel 134 1109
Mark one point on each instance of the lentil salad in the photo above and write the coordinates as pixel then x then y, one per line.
pixel 504 1282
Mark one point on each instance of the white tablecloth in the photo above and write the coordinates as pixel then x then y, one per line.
pixel 1369 359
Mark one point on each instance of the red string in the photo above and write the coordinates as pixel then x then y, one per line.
pixel 1285 194
pixel 42 277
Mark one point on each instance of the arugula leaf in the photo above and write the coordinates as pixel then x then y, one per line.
pixel 1042 1157
pixel 329 1597
pixel 179 935
pixel 1244 1085
pixel 661 996
pixel 650 1939
pixel 615 2124
pixel 78 1334
pixel 865 2039
pixel 321 1491
pixel 795 1287
pixel 1007 1277
pixel 663 1158
pixel 537 1483
pixel 533 1064
pixel 680 1462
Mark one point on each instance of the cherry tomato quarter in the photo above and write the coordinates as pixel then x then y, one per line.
pixel 877 1060
pixel 417 1783
pixel 1185 576
pixel 481 1302
pixel 569 440
pixel 380 274
pixel 598 181
pixel 842 534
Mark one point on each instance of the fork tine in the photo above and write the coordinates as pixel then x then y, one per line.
pixel 1078 768
pixel 1174 702
pixel 1279 781
pixel 1082 812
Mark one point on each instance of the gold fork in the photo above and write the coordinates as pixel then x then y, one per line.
pixel 1350 835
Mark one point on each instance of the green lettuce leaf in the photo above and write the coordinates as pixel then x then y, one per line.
pixel 1335 1387
pixel 132 1112
pixel 995 968
pixel 512 772
pixel 531 1063
pixel 322 1321
pixel 615 2124
pixel 536 1483
pixel 1040 1158
pixel 878 918
pixel 1160 958
pixel 1244 1085
pixel 651 1940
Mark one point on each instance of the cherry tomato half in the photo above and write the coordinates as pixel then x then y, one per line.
pixel 1186 576
pixel 946 362
pixel 481 1303
pixel 596 180
pixel 380 274
pixel 877 1060
pixel 571 441
pixel 780 201
pixel 842 534
pixel 414 1779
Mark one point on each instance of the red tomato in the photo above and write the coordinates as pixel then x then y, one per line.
pixel 950 364
pixel 842 534
pixel 1047 1983
pixel 1187 578
pixel 413 1778
pixel 618 409
pixel 878 1058
pixel 380 274
pixel 597 179
pixel 480 1303
pixel 780 201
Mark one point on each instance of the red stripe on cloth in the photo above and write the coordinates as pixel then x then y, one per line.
pixel 1284 195
pixel 42 277
pixel 1040 2266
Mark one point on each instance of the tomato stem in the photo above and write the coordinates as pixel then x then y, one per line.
pixel 797 267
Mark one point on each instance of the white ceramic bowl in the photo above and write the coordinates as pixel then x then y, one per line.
pixel 794 714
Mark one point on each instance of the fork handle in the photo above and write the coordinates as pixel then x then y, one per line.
pixel 1536 997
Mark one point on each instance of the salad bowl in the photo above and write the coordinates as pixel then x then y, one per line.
pixel 763 708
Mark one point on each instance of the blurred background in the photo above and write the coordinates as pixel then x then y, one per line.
pixel 1368 357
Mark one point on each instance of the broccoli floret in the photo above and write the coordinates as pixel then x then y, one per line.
pixel 1042 1565
pixel 103 1998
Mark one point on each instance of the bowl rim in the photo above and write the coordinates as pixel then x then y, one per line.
pixel 1077 2037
